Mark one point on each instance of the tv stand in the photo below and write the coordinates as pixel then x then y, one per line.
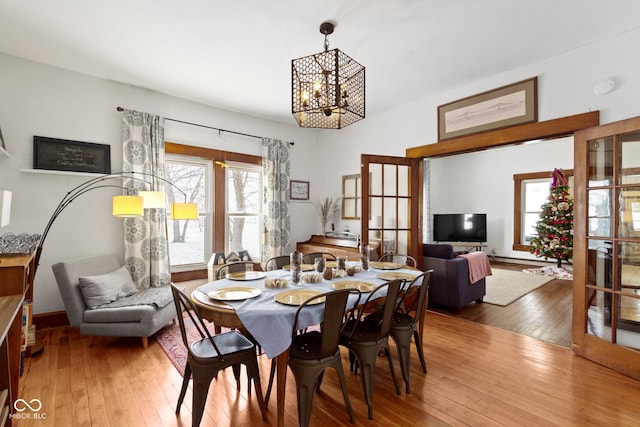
pixel 468 246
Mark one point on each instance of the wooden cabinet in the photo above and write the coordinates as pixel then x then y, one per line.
pixel 16 286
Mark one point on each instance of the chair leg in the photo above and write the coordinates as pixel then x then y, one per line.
pixel 272 374
pixel 201 383
pixel 393 371
pixel 185 383
pixel 416 337
pixel 368 374
pixel 145 342
pixel 337 365
pixel 253 372
pixel 403 344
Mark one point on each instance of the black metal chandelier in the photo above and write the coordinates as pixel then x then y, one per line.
pixel 327 88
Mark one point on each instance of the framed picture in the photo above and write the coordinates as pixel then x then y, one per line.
pixel 506 106
pixel 73 156
pixel 299 190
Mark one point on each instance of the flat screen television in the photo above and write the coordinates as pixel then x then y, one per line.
pixel 460 227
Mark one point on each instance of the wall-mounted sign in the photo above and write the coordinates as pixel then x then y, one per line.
pixel 73 156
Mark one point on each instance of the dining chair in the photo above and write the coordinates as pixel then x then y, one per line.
pixel 311 257
pixel 234 267
pixel 399 259
pixel 209 354
pixel 276 263
pixel 365 339
pixel 314 351
pixel 408 322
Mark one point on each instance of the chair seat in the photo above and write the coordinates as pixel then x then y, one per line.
pixel 365 331
pixel 233 342
pixel 306 346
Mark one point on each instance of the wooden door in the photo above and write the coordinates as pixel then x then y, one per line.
pixel 606 304
pixel 392 204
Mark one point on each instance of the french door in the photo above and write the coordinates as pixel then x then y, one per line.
pixel 391 204
pixel 606 304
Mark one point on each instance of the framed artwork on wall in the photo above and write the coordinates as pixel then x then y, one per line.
pixel 506 106
pixel 299 190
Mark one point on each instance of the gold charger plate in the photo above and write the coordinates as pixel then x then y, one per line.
pixel 353 284
pixel 393 275
pixel 303 267
pixel 385 265
pixel 246 275
pixel 297 296
pixel 234 293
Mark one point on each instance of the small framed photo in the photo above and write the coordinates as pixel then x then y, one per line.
pixel 299 190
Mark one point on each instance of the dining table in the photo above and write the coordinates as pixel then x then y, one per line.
pixel 246 300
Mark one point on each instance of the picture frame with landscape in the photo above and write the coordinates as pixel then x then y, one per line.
pixel 506 106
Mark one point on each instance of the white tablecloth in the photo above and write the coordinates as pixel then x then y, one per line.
pixel 271 322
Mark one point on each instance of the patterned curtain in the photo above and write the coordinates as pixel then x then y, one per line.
pixel 275 173
pixel 146 249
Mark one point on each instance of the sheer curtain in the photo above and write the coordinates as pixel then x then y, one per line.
pixel 277 223
pixel 146 249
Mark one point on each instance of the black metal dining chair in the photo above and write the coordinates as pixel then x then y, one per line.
pixel 235 267
pixel 310 258
pixel 365 339
pixel 209 354
pixel 276 262
pixel 314 351
pixel 402 259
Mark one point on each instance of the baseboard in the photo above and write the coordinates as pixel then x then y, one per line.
pixel 52 319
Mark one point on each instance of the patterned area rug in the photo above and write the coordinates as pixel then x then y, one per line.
pixel 506 286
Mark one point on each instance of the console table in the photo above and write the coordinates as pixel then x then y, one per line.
pixel 468 246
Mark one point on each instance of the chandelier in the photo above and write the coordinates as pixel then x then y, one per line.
pixel 327 88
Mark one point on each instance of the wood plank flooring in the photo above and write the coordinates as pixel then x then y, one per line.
pixel 544 313
pixel 478 375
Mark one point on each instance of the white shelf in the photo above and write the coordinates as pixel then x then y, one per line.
pixel 54 172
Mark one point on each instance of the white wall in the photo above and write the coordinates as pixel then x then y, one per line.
pixel 484 181
pixel 41 100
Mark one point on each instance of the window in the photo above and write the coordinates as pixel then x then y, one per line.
pixel 227 187
pixel 530 193
pixel 188 245
pixel 243 202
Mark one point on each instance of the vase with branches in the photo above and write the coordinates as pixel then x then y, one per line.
pixel 326 209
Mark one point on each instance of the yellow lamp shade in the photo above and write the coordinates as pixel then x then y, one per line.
pixel 184 211
pixel 127 206
pixel 152 199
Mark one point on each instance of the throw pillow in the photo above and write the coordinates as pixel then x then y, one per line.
pixel 106 288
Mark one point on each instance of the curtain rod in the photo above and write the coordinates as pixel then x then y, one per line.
pixel 205 126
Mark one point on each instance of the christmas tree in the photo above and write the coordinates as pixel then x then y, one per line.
pixel 555 227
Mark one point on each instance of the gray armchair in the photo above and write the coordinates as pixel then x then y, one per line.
pixel 136 314
pixel 450 285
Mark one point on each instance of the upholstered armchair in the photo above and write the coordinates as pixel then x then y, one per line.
pixel 101 300
pixel 450 285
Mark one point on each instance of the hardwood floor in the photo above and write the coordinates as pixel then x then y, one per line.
pixel 544 313
pixel 478 375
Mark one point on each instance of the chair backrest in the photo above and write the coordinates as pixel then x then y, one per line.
pixel 416 293
pixel 334 309
pixel 399 259
pixel 233 267
pixel 68 273
pixel 184 306
pixel 375 300
pixel 276 263
pixel 310 258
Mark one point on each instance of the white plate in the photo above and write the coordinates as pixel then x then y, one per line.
pixel 385 265
pixel 353 284
pixel 392 275
pixel 303 267
pixel 298 296
pixel 236 293
pixel 246 275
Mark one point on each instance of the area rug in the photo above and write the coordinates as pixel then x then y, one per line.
pixel 555 272
pixel 506 286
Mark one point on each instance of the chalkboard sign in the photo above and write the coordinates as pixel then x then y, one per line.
pixel 74 156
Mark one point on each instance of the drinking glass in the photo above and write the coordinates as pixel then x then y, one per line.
pixel 295 265
pixel 341 262
pixel 320 264
pixel 364 256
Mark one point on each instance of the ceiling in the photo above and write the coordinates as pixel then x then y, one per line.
pixel 236 55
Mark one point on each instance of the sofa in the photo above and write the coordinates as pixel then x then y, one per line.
pixel 101 300
pixel 449 286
